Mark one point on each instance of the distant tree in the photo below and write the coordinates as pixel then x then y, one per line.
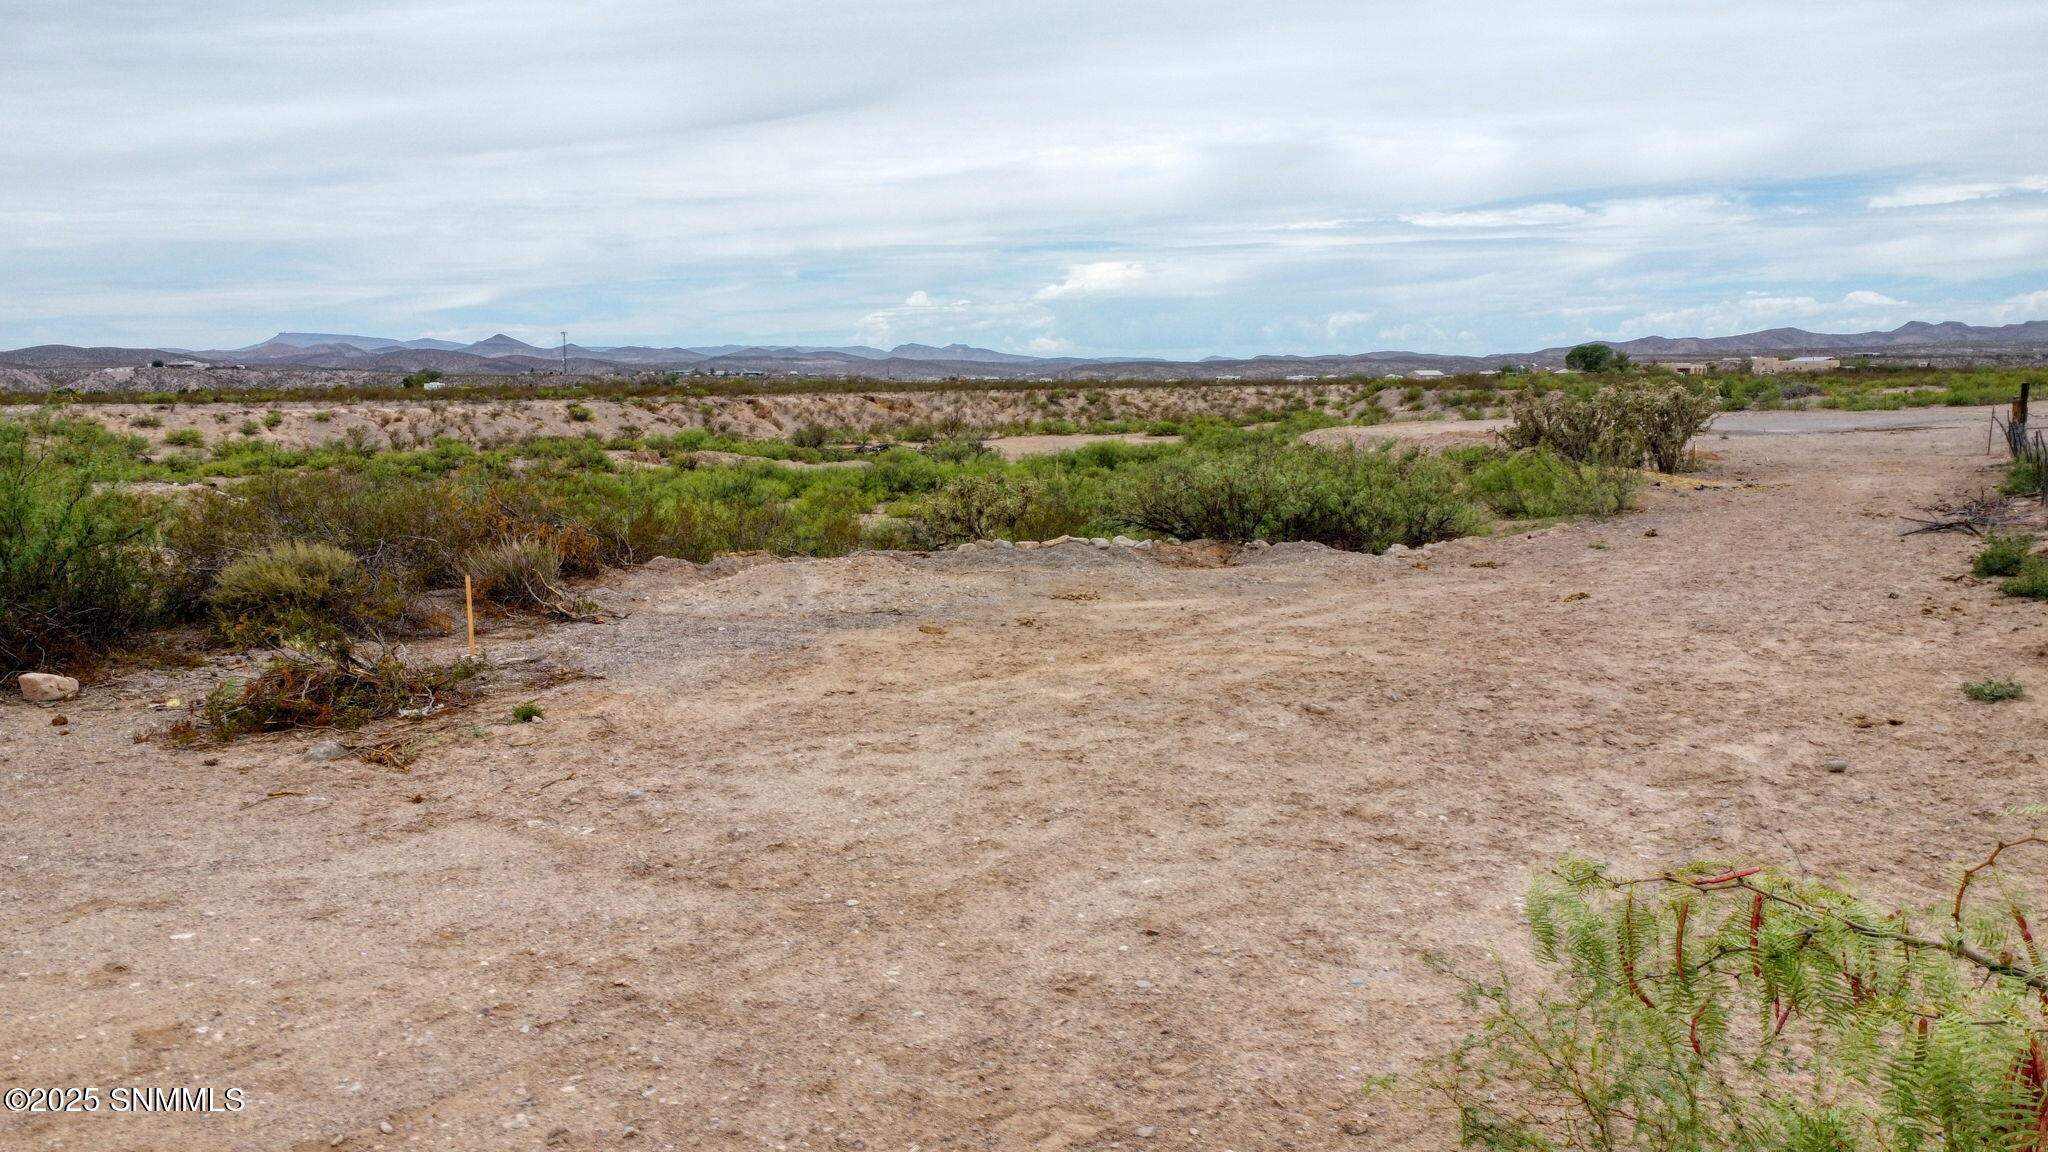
pixel 423 376
pixel 1592 358
pixel 1588 357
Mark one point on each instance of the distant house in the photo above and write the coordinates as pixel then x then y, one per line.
pixel 1772 366
pixel 1425 374
pixel 1685 367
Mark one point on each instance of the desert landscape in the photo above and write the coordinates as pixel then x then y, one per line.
pixel 1024 577
pixel 1058 847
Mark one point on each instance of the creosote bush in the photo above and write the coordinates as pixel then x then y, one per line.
pixel 78 567
pixel 1357 499
pixel 1725 1008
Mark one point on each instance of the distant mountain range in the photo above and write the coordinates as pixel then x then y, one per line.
pixel 1948 342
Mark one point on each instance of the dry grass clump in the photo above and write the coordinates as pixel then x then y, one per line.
pixel 329 687
pixel 517 574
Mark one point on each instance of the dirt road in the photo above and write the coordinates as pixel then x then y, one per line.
pixel 1006 849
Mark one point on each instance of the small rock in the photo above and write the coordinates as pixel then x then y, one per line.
pixel 1028 544
pixel 1651 532
pixel 1836 765
pixel 42 687
pixel 1122 541
pixel 1143 985
pixel 327 750
pixel 931 629
pixel 968 547
pixel 1579 596
pixel 1005 544
pixel 384 1126
pixel 1145 1133
pixel 1100 542
pixel 59 720
pixel 1056 541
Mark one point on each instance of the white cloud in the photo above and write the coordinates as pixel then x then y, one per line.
pixel 1527 216
pixel 694 172
pixel 1930 195
pixel 1097 279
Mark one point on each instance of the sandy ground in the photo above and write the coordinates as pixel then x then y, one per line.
pixel 1046 849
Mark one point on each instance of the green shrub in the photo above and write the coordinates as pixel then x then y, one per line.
pixel 299 590
pixel 580 413
pixel 416 379
pixel 146 420
pixel 527 713
pixel 2030 581
pixel 273 418
pixel 322 416
pixel 2003 554
pixel 1993 691
pixel 2024 477
pixel 1535 484
pixel 1738 1009
pixel 808 436
pixel 956 449
pixel 79 570
pixel 185 438
pixel 1353 499
pixel 996 505
pixel 250 428
pixel 1620 425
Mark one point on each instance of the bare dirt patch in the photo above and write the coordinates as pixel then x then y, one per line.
pixel 1007 848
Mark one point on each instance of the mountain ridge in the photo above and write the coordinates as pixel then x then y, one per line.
pixel 501 354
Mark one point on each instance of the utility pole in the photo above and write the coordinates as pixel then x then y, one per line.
pixel 565 353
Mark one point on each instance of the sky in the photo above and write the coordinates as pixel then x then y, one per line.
pixel 1052 177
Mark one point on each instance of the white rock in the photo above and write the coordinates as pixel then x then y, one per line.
pixel 41 687
pixel 968 547
pixel 327 750
pixel 1005 544
pixel 1122 541
pixel 1056 541
pixel 1100 542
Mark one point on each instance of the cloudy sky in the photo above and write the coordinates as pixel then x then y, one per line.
pixel 1049 176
